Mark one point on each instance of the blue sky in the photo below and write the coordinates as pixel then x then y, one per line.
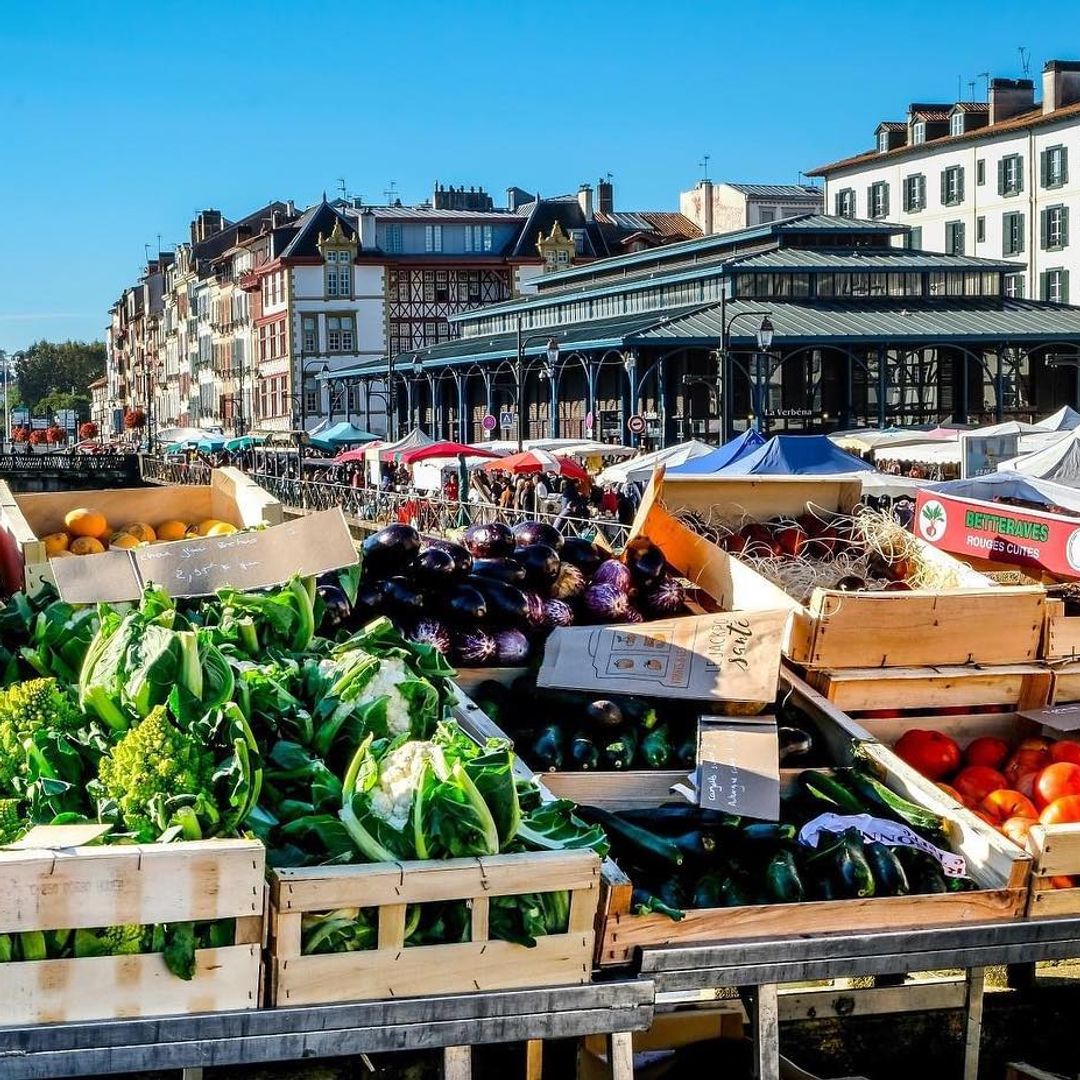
pixel 119 120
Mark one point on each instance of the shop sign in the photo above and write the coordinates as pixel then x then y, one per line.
pixel 975 529
pixel 980 454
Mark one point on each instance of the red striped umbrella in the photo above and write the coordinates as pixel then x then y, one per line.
pixel 538 461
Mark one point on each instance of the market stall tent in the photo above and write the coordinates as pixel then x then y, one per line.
pixel 732 450
pixel 341 434
pixel 1010 484
pixel 796 455
pixel 1065 419
pixel 639 469
pixel 1059 462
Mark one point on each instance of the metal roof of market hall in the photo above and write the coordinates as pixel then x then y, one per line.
pixel 867 259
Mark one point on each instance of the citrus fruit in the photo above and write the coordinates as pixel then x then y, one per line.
pixel 204 527
pixel 86 522
pixel 65 554
pixel 124 540
pixel 55 543
pixel 141 531
pixel 171 530
pixel 222 528
pixel 86 545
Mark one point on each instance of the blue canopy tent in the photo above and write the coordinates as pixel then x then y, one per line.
pixel 796 455
pixel 733 450
pixel 340 436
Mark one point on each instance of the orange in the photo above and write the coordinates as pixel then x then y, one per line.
pixel 222 528
pixel 86 522
pixel 204 527
pixel 87 545
pixel 55 543
pixel 141 531
pixel 124 540
pixel 171 530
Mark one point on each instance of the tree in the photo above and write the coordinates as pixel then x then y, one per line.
pixel 48 367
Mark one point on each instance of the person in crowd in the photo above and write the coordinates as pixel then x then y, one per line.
pixel 626 504
pixel 609 502
pixel 450 488
pixel 521 493
pixel 506 496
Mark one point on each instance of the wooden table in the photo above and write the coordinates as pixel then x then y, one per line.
pixel 453 1023
pixel 759 967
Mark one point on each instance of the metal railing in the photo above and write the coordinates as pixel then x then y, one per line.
pixel 430 514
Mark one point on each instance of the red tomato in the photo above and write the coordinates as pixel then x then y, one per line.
pixel 1061 811
pixel 1017 829
pixel 987 751
pixel 929 752
pixel 1056 781
pixel 1025 761
pixel 1062 881
pixel 1003 804
pixel 984 816
pixel 977 781
pixel 1066 750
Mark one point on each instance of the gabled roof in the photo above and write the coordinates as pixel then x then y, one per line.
pixel 662 223
pixel 932 112
pixel 971 107
pixel 566 210
pixel 317 220
pixel 778 191
pixel 891 125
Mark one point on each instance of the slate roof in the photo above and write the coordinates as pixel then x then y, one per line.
pixel 316 219
pixel 866 259
pixel 778 191
pixel 206 251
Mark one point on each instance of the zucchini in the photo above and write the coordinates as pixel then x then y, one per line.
pixel 619 752
pixel 882 798
pixel 548 749
pixel 733 893
pixel 659 849
pixel 643 902
pixel 889 876
pixel 709 892
pixel 673 892
pixel 640 713
pixel 768 832
pixel 826 789
pixel 696 844
pixel 583 752
pixel 960 884
pixel 923 870
pixel 853 875
pixel 782 881
pixel 679 815
pixel 656 748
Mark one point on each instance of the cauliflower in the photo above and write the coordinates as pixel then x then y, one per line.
pixel 399 775
pixel 25 709
pixel 384 683
pixel 153 763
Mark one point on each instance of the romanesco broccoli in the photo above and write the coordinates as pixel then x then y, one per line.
pixel 123 940
pixel 12 825
pixel 153 763
pixel 25 709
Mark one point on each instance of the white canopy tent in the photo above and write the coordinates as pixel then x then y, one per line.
pixel 639 469
pixel 1059 462
pixel 589 448
pixel 1065 419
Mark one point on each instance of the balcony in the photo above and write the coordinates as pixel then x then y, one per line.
pixel 249 282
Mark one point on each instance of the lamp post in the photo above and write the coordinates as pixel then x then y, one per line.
pixel 418 374
pixel 322 369
pixel 764 342
pixel 630 364
pixel 390 400
pixel 552 358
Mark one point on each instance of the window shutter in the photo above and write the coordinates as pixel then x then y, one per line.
pixel 1064 226
pixel 870 201
pixel 1044 286
pixel 1019 173
pixel 1044 228
pixel 1001 176
pixel 885 200
pixel 1064 164
pixel 1064 286
pixel 961 245
pixel 960 184
pixel 944 187
pixel 1044 169
pixel 1019 233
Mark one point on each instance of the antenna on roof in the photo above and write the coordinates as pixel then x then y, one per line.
pixel 959 87
pixel 985 75
pixel 1025 61
pixel 390 192
pixel 146 252
pixel 971 90
pixel 341 185
pixel 159 243
pixel 704 166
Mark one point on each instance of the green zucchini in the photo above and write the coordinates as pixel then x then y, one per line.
pixel 673 892
pixel 825 789
pixel 548 750
pixel 733 893
pixel 658 849
pixel 696 844
pixel 686 753
pixel 923 870
pixel 619 752
pixel 889 876
pixel 643 902
pixel 583 752
pixel 882 798
pixel 782 881
pixel 656 748
pixel 768 832
pixel 853 875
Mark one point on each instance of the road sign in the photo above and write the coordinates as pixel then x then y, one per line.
pixel 636 424
pixel 506 419
pixel 67 419
pixel 589 421
pixel 489 423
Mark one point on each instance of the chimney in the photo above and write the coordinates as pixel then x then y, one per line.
pixel 206 223
pixel 605 197
pixel 706 188
pixel 1010 97
pixel 584 198
pixel 367 229
pixel 290 208
pixel 1061 84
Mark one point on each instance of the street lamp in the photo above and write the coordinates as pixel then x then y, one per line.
pixel 764 336
pixel 552 358
pixel 7 403
pixel 418 374
pixel 322 369
pixel 547 373
pixel 630 365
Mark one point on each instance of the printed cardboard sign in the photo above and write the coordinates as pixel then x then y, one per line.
pixel 307 546
pixel 739 766
pixel 727 656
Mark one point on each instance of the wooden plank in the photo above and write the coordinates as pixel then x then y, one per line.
pixel 964 729
pixel 621 1055
pixel 327 887
pixel 1055 849
pixel 392 926
pixel 1052 903
pixel 1062 636
pixel 150 883
pixel 615 790
pixel 480 919
pixel 973 1023
pixel 113 987
pixel 457 1063
pixel 922 996
pixel 557 959
pixel 534 1059
pixel 1019 1070
pixel 1066 684
pixel 765 1031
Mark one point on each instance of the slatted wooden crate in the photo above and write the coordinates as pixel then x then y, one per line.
pixel 94 887
pixel 1021 686
pixel 1061 634
pixel 1066 682
pixel 394 969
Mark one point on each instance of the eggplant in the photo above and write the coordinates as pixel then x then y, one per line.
pixel 606 603
pixel 461 555
pixel 511 648
pixel 558 613
pixel 431 632
pixel 666 597
pixel 537 532
pixel 435 568
pixel 400 595
pixel 509 571
pixel 335 608
pixel 681 816
pixel 632 615
pixel 569 583
pixel 709 891
pixel 619 753
pixel 583 554
pixel 390 550
pixel 602 713
pixel 583 752
pixel 370 595
pixel 540 562
pixel 505 603
pixel 656 748
pixel 535 614
pixel 463 603
pixel 645 561
pixel 686 753
pixel 672 892
pixel 613 572
pixel 639 712
pixel 473 646
pixel 548 749
pixel 851 583
pixel 492 541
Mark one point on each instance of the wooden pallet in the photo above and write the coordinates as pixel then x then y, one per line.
pixel 999 867
pixel 1021 686
pixel 392 969
pixel 95 887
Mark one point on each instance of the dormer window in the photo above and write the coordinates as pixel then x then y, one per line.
pixel 956 124
pixel 918 131
pixel 883 142
pixel 339 252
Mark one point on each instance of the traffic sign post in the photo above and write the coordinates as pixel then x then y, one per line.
pixel 636 424
pixel 488 423
pixel 506 419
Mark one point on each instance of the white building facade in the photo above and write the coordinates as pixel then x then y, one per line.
pixel 999 179
pixel 725 207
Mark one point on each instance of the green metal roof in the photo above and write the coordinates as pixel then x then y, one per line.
pixel 865 259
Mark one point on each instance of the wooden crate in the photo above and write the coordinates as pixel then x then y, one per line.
pixel 395 970
pixel 999 867
pixel 230 496
pixel 1021 686
pixel 1055 849
pixel 1066 683
pixel 978 622
pixel 1061 633
pixel 93 887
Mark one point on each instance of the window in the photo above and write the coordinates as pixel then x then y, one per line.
pixel 845 203
pixel 1054 167
pixel 488 235
pixel 918 132
pixel 433 238
pixel 766 214
pixel 478 237
pixel 877 199
pixel 1011 175
pixel 980 229
pixel 952 186
pixel 339 333
pixel 393 239
pixel 1054 228
pixel 883 142
pixel 1054 286
pixel 338 272
pixel 1012 234
pixel 980 171
pixel 954 238
pixel 913 240
pixel 956 123
pixel 311 400
pixel 914 193
pixel 1014 286
pixel 311 334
